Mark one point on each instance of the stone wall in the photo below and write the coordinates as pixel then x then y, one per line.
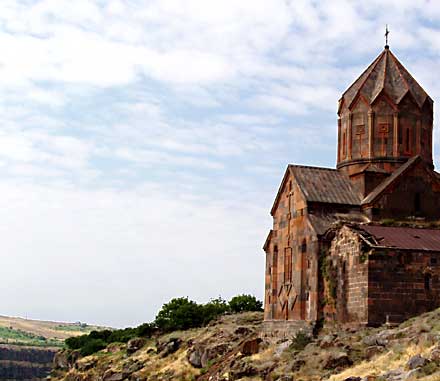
pixel 282 329
pixel 349 277
pixel 291 290
pixel 402 284
pixel 417 193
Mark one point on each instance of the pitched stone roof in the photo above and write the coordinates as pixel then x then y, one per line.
pixel 403 237
pixel 371 168
pixel 321 222
pixel 325 185
pixel 387 182
pixel 385 74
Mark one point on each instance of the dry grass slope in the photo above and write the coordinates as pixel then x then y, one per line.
pixel 214 353
pixel 14 330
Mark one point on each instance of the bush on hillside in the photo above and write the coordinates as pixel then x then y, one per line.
pixel 243 303
pixel 179 314
pixel 97 340
pixel 213 309
pixel 92 346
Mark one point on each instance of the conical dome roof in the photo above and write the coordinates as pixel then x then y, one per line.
pixel 386 74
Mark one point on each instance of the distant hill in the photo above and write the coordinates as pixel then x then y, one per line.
pixel 19 331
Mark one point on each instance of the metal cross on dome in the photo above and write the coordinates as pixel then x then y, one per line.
pixel 387 32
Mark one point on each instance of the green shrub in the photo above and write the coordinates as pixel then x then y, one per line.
pixel 429 368
pixel 179 314
pixel 92 346
pixel 299 341
pixel 145 330
pixel 242 303
pixel 213 309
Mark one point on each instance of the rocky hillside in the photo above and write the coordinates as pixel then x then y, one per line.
pixel 231 349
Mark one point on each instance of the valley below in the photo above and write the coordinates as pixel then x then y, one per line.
pixel 28 347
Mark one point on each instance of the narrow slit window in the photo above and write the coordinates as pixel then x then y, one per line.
pixel 417 203
pixel 275 271
pixel 427 282
pixel 304 246
pixel 344 144
pixel 407 142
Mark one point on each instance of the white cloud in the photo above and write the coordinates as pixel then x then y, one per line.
pixel 120 270
pixel 143 141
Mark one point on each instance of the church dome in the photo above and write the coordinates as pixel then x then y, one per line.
pixel 385 117
pixel 386 74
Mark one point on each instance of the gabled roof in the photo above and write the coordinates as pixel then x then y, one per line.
pixel 386 74
pixel 324 185
pixel 376 192
pixel 403 237
pixel 369 168
pixel 268 239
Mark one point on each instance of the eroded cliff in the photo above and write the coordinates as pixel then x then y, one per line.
pixel 25 363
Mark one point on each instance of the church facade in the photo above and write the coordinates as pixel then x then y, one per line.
pixel 359 244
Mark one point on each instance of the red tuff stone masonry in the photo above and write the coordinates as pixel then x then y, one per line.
pixel 329 255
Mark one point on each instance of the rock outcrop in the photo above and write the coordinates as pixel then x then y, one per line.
pixel 25 363
pixel 235 347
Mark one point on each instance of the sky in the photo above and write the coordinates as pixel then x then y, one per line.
pixel 142 142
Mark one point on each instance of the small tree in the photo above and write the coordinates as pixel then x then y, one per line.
pixel 241 303
pixel 213 309
pixel 178 314
pixel 145 330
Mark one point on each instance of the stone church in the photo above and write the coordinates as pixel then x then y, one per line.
pixel 360 244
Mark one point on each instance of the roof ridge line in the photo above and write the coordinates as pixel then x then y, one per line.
pixel 396 62
pixel 389 180
pixel 372 65
pixel 313 167
pixel 385 70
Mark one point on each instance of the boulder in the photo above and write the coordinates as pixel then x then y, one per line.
pixel 200 355
pixel 243 331
pixel 285 378
pixel 60 360
pixel 416 361
pixel 296 365
pixel 66 359
pixel 242 369
pixel 169 347
pixel 327 341
pixel 195 358
pixel 353 378
pixel 111 375
pixel 400 375
pixel 375 340
pixel 250 347
pixel 435 355
pixel 113 348
pixel 337 360
pixel 132 367
pixel 86 364
pixel 372 351
pixel 135 344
